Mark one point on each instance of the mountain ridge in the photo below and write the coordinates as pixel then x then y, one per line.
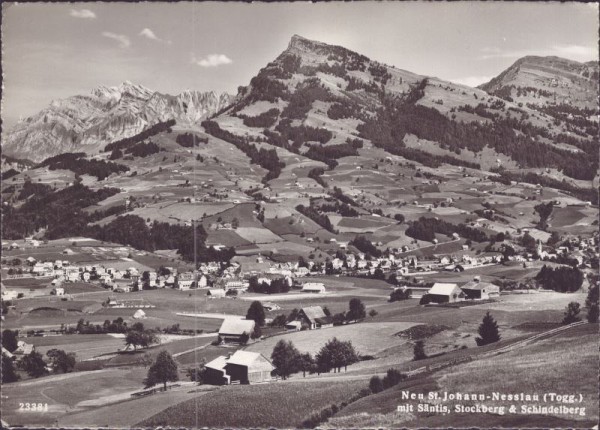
pixel 88 122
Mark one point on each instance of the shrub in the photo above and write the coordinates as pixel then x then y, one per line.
pixel 376 384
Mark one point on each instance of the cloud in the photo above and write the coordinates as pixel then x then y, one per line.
pixel 123 40
pixel 472 81
pixel 149 34
pixel 574 52
pixel 82 13
pixel 146 32
pixel 212 60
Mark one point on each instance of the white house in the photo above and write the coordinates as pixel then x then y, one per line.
pixel 214 293
pixel 445 293
pixel 139 314
pixel 480 290
pixel 58 291
pixel 313 287
pixel 202 281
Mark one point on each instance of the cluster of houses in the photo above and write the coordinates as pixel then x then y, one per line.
pixel 238 330
pixel 23 349
pixel 445 292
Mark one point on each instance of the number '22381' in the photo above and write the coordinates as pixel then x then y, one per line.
pixel 33 407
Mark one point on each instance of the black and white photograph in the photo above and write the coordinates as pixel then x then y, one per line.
pixel 299 215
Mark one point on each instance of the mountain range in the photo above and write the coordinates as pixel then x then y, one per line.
pixel 88 122
pixel 314 98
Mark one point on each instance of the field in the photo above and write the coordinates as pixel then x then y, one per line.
pixel 367 338
pixel 85 346
pixel 539 372
pixel 549 366
pixel 63 393
pixel 282 405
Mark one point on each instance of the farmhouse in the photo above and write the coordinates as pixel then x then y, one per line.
pixel 214 293
pixel 314 317
pixel 235 330
pixel 185 281
pixel 58 291
pixel 445 293
pixel 480 290
pixel 139 314
pixel 246 367
pixel 23 348
pixel 313 287
pixel 268 306
pixel 214 373
pixel 416 292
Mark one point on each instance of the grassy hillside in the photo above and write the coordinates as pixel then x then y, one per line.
pixel 282 405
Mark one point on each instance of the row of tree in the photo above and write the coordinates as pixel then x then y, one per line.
pixel 149 132
pixel 77 163
pixel 266 158
pixel 426 229
pixel 562 279
pixel 334 355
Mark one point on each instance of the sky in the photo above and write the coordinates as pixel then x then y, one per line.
pixel 56 50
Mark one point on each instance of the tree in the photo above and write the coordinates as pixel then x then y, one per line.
pixel 375 384
pixel 256 333
pixel 591 303
pixel 528 242
pixel 145 360
pixel 392 377
pixel 196 374
pixel 286 358
pixel 419 351
pixel 572 313
pixel 256 312
pixel 9 340
pixel 357 310
pixel 279 321
pixel 488 331
pixel 335 354
pixel 137 338
pixel 306 363
pixel 399 294
pixel 61 362
pixel 34 364
pixel 373 313
pixel 162 371
pixel 9 373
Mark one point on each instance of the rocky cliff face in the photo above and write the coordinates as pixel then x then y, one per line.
pixel 88 122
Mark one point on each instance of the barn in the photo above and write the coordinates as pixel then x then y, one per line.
pixel 139 314
pixel 214 373
pixel 478 290
pixel 246 367
pixel 214 293
pixel 445 293
pixel 234 330
pixel 314 317
pixel 313 287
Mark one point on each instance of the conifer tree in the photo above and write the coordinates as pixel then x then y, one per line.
pixel 488 331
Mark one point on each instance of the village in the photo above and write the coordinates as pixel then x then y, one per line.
pixel 434 279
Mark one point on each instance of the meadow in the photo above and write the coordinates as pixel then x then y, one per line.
pixel 366 337
pixel 281 404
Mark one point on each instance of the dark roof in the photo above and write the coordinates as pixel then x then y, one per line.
pixel 313 312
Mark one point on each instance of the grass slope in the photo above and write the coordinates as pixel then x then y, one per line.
pixel 282 405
